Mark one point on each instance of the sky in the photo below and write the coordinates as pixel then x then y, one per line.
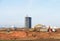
pixel 13 12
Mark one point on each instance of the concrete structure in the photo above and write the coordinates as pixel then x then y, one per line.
pixel 28 22
pixel 44 30
pixel 40 27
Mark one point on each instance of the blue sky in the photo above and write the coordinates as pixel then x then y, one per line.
pixel 13 12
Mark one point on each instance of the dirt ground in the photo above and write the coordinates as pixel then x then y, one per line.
pixel 27 35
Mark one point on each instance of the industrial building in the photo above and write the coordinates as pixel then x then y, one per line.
pixel 28 22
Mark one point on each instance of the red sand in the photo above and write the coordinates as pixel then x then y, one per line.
pixel 29 35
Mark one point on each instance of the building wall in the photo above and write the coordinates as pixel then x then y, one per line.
pixel 45 30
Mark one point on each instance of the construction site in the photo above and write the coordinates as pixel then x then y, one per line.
pixel 38 32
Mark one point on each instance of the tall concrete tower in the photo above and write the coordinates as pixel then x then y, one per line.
pixel 28 22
